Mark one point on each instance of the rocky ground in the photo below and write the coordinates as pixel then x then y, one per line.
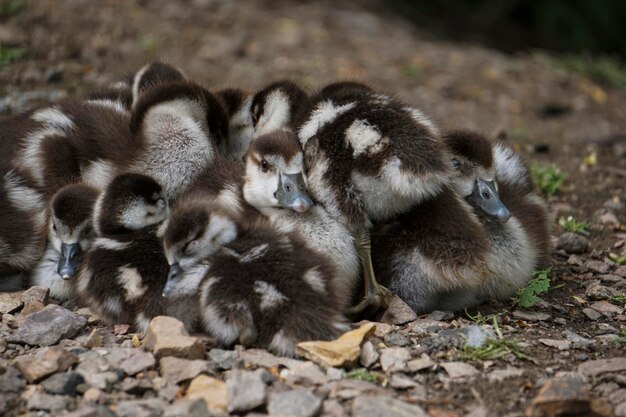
pixel 564 355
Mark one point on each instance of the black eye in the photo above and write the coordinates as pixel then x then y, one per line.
pixel 288 188
pixel 54 227
pixel 486 195
pixel 265 166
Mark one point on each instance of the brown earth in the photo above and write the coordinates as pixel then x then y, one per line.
pixel 75 46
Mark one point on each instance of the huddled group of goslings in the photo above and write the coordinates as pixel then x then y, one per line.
pixel 264 218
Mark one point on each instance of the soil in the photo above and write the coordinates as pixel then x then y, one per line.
pixel 76 46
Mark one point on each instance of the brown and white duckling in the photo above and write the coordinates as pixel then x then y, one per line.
pixel 70 235
pixel 182 126
pixel 369 157
pixel 122 276
pixel 260 286
pixel 237 103
pixel 497 182
pixel 272 184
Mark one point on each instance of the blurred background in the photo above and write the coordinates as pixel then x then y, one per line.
pixel 547 75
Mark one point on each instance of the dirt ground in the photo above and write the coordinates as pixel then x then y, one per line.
pixel 550 115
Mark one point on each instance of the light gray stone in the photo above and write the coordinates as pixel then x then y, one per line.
pixel 296 403
pixel 246 391
pixel 48 326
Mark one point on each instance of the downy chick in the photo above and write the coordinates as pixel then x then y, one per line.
pixel 70 235
pixel 122 276
pixel 259 287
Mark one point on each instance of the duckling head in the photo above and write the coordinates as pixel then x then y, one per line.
pixel 472 158
pixel 275 176
pixel 70 226
pixel 130 202
pixel 276 107
pixel 195 231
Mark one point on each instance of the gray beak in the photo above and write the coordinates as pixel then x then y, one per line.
pixel 70 260
pixel 172 279
pixel 292 194
pixel 485 197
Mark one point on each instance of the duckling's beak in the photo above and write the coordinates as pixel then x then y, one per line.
pixel 172 278
pixel 485 197
pixel 292 194
pixel 70 259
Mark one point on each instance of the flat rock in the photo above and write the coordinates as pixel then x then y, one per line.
pixel 47 402
pixel 597 267
pixel 305 372
pixel 187 408
pixel 424 327
pixel 591 313
pixel 150 407
pixel 48 326
pixel 401 381
pixel 440 315
pixel 45 362
pixel 499 375
pixel 10 302
pixel 602 366
pixel 223 359
pixel 63 384
pixel 562 397
pixel 396 339
pixel 379 406
pixel 296 403
pixel 398 312
pixel 459 369
pixel 264 359
pixel 423 362
pixel 343 352
pixel 167 336
pixel 10 379
pixel 578 342
pixel 394 359
pixel 531 315
pixel 35 293
pixel 176 370
pixel 130 360
pixel 598 292
pixel 369 355
pixel 555 343
pixel 606 308
pixel 246 391
pixel 212 391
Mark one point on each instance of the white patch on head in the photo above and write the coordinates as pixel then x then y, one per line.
pixel 282 344
pixel 142 323
pixel 139 214
pixel 227 326
pixel 114 105
pixel 509 166
pixel 98 173
pixel 259 188
pixel 30 157
pixel 240 131
pixel 395 190
pixel 189 283
pixel 364 138
pixel 270 296
pixel 45 275
pixel 276 113
pixel 420 118
pixel 131 281
pixel 179 144
pixel 314 278
pixel 324 113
